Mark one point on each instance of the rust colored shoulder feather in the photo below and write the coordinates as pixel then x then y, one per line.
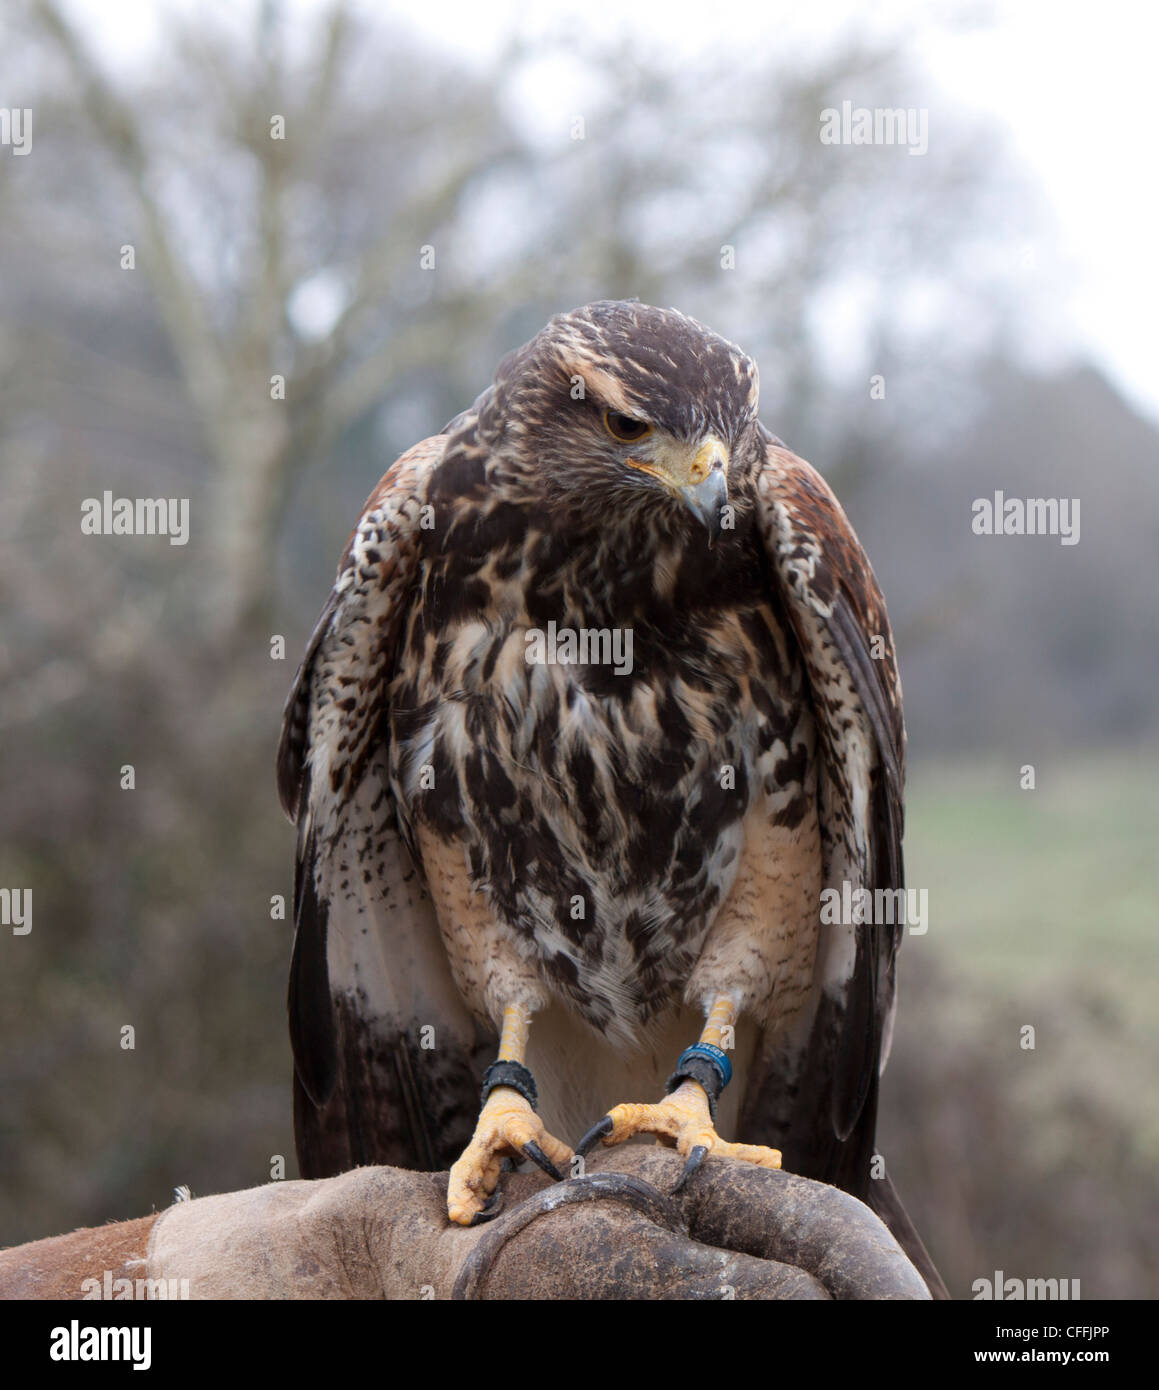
pixel 838 617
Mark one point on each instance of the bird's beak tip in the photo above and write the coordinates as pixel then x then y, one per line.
pixel 705 501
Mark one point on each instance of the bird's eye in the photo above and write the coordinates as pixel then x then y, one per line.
pixel 624 428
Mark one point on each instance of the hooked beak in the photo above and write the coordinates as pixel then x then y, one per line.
pixel 697 475
pixel 705 500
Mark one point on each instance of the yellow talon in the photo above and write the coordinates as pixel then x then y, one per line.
pixel 507 1125
pixel 683 1119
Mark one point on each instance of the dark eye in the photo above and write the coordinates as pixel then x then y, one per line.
pixel 624 428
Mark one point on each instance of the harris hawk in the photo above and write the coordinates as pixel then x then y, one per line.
pixel 576 875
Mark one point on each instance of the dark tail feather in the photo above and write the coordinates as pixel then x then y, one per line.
pixel 392 1102
pixel 886 1203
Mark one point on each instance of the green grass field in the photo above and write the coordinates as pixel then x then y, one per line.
pixel 1046 899
pixel 1042 1161
pixel 1060 879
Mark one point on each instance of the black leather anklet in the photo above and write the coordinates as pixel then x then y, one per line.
pixel 706 1064
pixel 513 1074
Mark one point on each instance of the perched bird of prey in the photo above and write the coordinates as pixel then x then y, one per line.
pixel 604 697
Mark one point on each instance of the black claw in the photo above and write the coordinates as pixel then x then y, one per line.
pixel 532 1150
pixel 491 1209
pixel 597 1132
pixel 695 1159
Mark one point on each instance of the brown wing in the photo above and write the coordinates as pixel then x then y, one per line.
pixel 369 972
pixel 826 1112
pixel 820 1102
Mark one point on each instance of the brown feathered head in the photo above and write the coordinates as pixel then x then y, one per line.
pixel 624 410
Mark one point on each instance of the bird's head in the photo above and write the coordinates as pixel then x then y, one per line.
pixel 621 409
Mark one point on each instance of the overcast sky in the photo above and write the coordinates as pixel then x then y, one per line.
pixel 1072 83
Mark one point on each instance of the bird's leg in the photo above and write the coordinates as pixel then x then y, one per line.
pixel 507 1127
pixel 685 1118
